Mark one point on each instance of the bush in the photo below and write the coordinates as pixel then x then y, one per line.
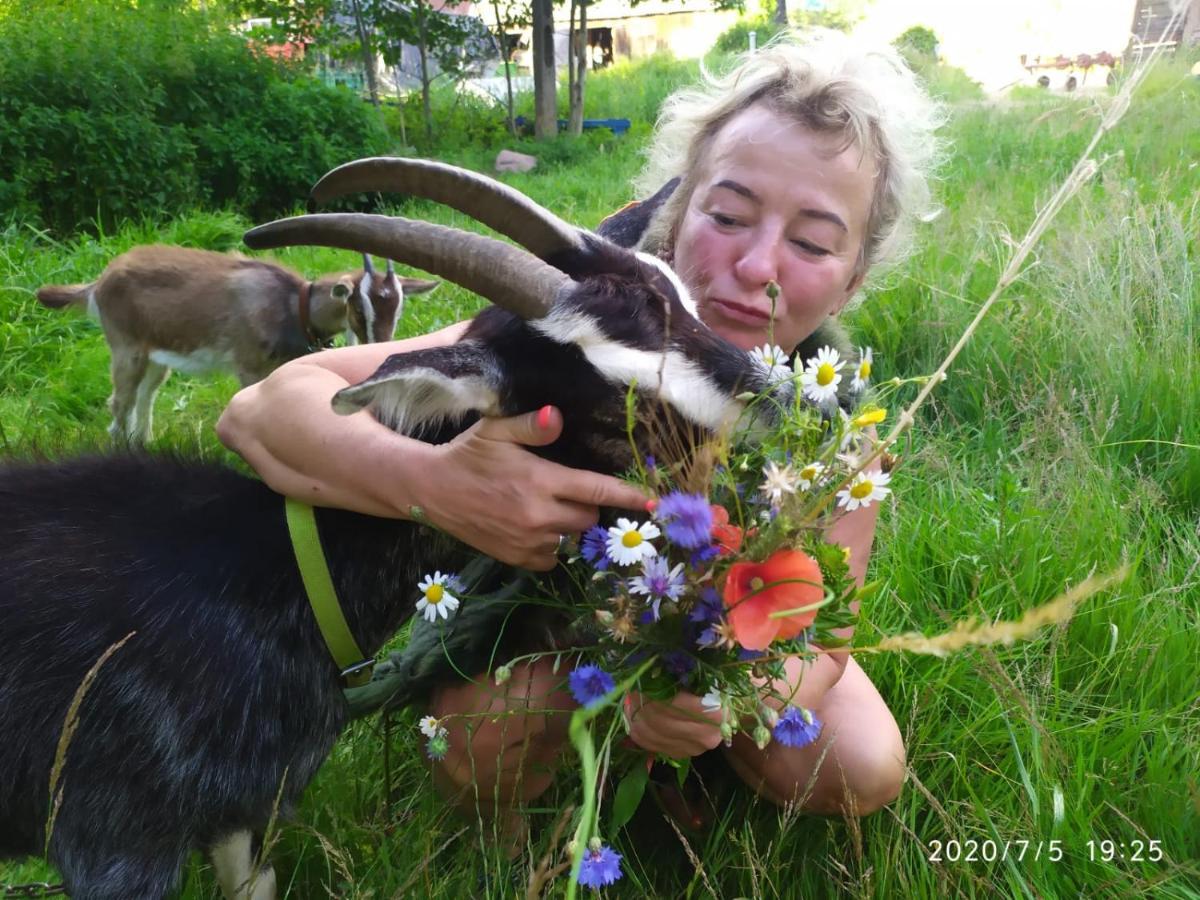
pixel 948 83
pixel 636 90
pixel 110 112
pixel 918 44
pixel 736 39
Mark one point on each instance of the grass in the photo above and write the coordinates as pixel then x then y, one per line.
pixel 1063 443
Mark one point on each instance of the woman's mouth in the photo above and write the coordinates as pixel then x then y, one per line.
pixel 738 312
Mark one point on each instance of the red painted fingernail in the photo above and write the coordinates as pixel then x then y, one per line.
pixel 543 417
pixel 651 505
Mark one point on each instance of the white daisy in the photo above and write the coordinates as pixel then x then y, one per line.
pixel 821 376
pixel 629 543
pixel 430 726
pixel 809 475
pixel 780 480
pixel 436 600
pixel 862 375
pixel 775 360
pixel 865 489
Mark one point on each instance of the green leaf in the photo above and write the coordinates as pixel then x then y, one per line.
pixel 629 795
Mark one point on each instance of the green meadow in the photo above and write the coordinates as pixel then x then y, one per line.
pixel 1065 442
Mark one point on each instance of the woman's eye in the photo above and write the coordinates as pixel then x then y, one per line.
pixel 809 247
pixel 723 220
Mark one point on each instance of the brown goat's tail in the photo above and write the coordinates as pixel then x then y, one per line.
pixel 56 296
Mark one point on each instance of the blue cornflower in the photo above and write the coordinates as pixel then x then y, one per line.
pixel 593 547
pixel 797 727
pixel 657 582
pixel 679 664
pixel 600 867
pixel 589 684
pixel 745 655
pixel 650 461
pixel 705 554
pixel 688 519
pixel 709 608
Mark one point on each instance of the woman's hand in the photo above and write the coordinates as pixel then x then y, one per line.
pixel 487 490
pixel 680 727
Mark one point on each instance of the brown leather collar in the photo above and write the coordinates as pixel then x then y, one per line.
pixel 314 342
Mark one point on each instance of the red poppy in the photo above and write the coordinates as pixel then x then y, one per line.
pixel 728 537
pixel 787 579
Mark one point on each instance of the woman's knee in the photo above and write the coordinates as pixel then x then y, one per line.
pixel 875 775
pixel 856 767
pixel 499 735
pixel 837 779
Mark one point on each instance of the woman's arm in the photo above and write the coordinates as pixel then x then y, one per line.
pixel 484 487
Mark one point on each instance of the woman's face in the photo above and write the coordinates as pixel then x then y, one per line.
pixel 774 202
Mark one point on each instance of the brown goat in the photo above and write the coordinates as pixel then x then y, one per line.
pixel 166 308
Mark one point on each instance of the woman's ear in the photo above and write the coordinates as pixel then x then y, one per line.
pixel 851 289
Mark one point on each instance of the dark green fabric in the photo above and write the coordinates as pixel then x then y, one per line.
pixel 438 652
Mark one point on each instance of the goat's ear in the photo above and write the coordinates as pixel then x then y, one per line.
pixel 417 286
pixel 414 392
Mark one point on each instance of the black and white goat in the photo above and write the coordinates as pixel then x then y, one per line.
pixel 225 696
pixel 165 308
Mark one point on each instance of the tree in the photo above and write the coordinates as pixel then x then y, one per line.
pixel 439 37
pixel 325 23
pixel 545 85
pixel 510 17
pixel 368 51
pixel 577 64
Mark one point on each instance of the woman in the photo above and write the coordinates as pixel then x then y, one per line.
pixel 806 167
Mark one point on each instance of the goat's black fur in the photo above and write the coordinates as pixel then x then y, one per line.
pixel 188 731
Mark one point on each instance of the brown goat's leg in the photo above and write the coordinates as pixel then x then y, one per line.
pixel 143 410
pixel 128 367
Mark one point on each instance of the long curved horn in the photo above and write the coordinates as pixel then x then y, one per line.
pixel 368 266
pixel 484 199
pixel 507 275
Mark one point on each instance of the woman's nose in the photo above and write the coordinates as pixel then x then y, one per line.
pixel 759 262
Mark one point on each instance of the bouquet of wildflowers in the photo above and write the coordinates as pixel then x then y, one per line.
pixel 730 573
pixel 727 576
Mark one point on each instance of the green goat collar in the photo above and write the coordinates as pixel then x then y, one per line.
pixel 314 571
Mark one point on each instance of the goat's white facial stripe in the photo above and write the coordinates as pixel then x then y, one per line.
pixel 685 296
pixel 398 288
pixel 677 379
pixel 368 311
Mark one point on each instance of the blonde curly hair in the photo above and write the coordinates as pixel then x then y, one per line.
pixel 827 82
